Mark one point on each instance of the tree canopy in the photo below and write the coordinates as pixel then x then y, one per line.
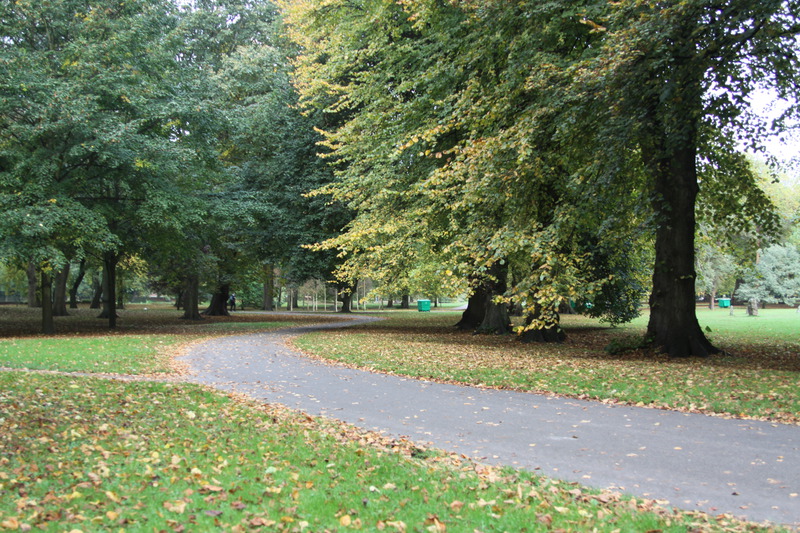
pixel 541 147
pixel 541 154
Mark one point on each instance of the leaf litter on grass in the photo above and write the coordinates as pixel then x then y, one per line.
pixel 146 343
pixel 85 454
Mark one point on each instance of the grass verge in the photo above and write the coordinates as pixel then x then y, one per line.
pixel 86 454
pixel 145 343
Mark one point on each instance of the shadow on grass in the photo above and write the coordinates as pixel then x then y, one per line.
pixel 20 321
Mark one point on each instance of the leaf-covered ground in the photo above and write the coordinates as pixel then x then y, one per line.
pixel 85 454
pixel 147 340
pixel 757 377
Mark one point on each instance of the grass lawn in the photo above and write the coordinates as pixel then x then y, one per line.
pixel 145 342
pixel 757 377
pixel 89 454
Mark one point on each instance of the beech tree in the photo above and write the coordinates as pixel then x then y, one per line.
pixel 460 164
pixel 533 144
pixel 669 82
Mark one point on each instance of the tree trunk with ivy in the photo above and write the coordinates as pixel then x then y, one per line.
pixel 33 285
pixel 48 324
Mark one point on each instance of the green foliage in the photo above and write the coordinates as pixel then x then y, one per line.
pixel 460 167
pixel 775 278
pixel 716 265
pixel 267 148
pixel 99 136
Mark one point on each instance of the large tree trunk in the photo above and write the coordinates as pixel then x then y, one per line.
pixel 48 324
pixel 73 291
pixel 472 317
pixel 33 285
pixel 405 302
pixel 110 260
pixel 190 297
pixel 97 293
pixel 60 292
pixel 219 302
pixel 673 325
pixel 496 319
pixel 269 288
pixel 345 295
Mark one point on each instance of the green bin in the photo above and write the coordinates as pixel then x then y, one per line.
pixel 724 302
pixel 423 306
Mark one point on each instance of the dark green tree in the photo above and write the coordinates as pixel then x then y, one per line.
pixel 92 115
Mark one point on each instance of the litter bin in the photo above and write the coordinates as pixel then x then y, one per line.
pixel 423 306
pixel 724 302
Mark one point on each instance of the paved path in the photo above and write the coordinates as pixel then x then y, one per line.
pixel 746 468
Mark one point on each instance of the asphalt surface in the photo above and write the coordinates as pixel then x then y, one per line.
pixel 749 469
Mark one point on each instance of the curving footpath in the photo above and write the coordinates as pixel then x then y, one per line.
pixel 748 469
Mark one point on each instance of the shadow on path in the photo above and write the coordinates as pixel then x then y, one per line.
pixel 748 469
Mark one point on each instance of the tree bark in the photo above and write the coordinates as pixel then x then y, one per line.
pixel 48 324
pixel 345 295
pixel 219 302
pixel 97 293
pixel 269 288
pixel 191 309
pixel 496 319
pixel 752 307
pixel 73 291
pixel 110 260
pixel 472 317
pixel 405 302
pixel 120 289
pixel 33 286
pixel 60 292
pixel 179 299
pixel 673 325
